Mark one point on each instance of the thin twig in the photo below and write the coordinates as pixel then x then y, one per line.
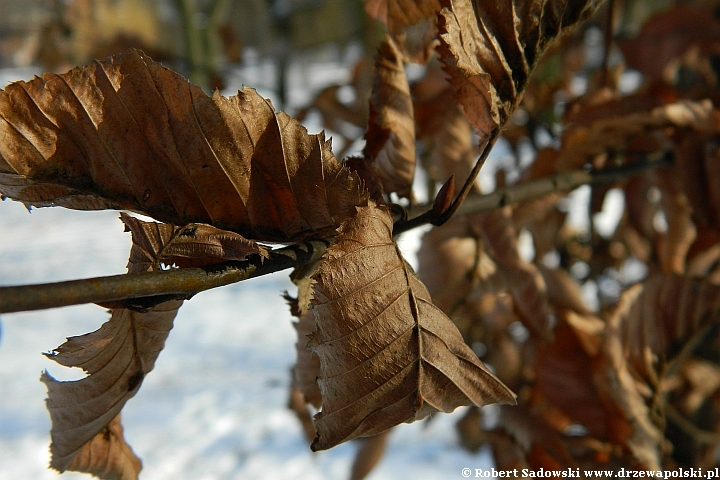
pixel 697 433
pixel 175 283
pixel 429 216
pixel 186 282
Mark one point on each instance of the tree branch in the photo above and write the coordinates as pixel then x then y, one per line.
pixel 145 289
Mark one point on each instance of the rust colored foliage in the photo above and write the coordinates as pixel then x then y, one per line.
pixel 606 338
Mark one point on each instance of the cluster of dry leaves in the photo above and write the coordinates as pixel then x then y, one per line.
pixel 633 383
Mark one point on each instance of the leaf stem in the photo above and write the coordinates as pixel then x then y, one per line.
pixel 145 289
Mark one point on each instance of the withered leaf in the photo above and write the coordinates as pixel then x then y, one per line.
pixel 307 365
pixel 387 354
pixel 442 128
pixel 668 35
pixel 411 23
pixel 655 324
pixel 663 317
pixel 107 455
pixel 616 129
pixel 399 14
pixel 523 279
pixel 368 455
pixel 190 245
pixel 391 129
pixel 490 48
pixel 127 133
pixel 117 357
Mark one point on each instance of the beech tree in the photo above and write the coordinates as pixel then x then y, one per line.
pixel 238 190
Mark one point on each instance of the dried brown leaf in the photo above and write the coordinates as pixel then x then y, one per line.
pixel 537 437
pixel 615 132
pixel 564 292
pixel 127 133
pixel 630 422
pixel 446 259
pixel 656 325
pixel 391 130
pixel 443 129
pixel 107 455
pixel 522 278
pixel 117 357
pixel 298 404
pixel 399 14
pixel 387 354
pixel 307 364
pixel 469 428
pixel 563 389
pixel 667 36
pixel 674 244
pixel 368 455
pixel 664 318
pixel 191 245
pixel 490 48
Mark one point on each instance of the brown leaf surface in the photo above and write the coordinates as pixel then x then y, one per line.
pixel 307 364
pixel 523 279
pixel 387 354
pixel 615 130
pixel 667 36
pixel 630 422
pixel 369 455
pixel 107 455
pixel 391 129
pixel 662 318
pixel 191 245
pixel 442 128
pixel 117 357
pixel 127 133
pixel 490 48
pixel 399 14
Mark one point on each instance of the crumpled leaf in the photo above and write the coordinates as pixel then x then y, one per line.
pixel 307 364
pixel 186 246
pixel 387 354
pixel 107 455
pixel 442 128
pixel 674 244
pixel 391 130
pixel 490 48
pixel 563 388
pixel 117 357
pixel 670 34
pixel 630 422
pixel 615 130
pixel 411 23
pixel 127 133
pixel 660 318
pixel 523 279
pixel 121 352
pixel 399 14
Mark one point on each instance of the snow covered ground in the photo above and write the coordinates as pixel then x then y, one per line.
pixel 215 405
